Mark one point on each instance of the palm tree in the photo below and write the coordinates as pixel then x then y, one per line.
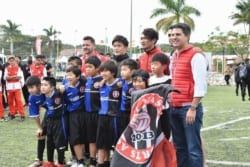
pixel 10 33
pixel 179 11
pixel 243 17
pixel 50 33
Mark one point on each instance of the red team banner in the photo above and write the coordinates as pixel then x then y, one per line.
pixel 142 144
pixel 38 44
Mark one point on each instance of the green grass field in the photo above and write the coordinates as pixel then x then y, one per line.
pixel 229 142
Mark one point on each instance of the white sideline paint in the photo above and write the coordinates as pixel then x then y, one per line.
pixel 225 123
pixel 230 163
pixel 235 139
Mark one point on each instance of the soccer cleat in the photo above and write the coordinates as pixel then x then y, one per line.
pixel 12 117
pixel 22 118
pixel 3 119
pixel 49 164
pixel 36 163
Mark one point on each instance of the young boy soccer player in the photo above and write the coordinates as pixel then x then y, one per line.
pixel 55 122
pixel 110 94
pixel 74 91
pixel 127 68
pixel 92 103
pixel 159 64
pixel 36 99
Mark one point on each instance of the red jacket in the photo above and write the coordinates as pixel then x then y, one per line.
pixel 12 71
pixel 37 70
pixel 182 77
pixel 146 58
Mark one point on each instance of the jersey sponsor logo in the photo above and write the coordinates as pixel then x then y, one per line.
pixel 116 94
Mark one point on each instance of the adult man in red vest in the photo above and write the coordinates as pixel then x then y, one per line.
pixel 89 49
pixel 189 71
pixel 149 38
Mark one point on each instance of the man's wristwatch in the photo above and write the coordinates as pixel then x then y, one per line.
pixel 193 108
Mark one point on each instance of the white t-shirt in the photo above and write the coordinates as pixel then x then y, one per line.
pixel 157 80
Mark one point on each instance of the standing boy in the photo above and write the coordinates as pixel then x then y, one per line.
pixel 127 66
pixel 92 104
pixel 74 93
pixel 36 99
pixel 110 93
pixel 56 126
pixel 159 64
pixel 14 83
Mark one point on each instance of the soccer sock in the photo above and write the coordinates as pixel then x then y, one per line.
pixel 106 163
pixel 40 149
pixel 92 161
pixel 81 161
pixel 60 154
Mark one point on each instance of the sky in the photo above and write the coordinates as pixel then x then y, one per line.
pixel 106 18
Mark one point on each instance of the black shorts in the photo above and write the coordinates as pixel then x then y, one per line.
pixel 56 133
pixel 107 132
pixel 77 129
pixel 91 120
pixel 164 123
pixel 122 121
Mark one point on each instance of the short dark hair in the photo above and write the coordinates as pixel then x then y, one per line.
pixel 132 64
pixel 39 56
pixel 109 65
pixel 50 80
pixel 161 57
pixel 75 70
pixel 121 39
pixel 141 74
pixel 89 38
pixel 150 33
pixel 33 81
pixel 95 61
pixel 75 58
pixel 184 27
pixel 19 57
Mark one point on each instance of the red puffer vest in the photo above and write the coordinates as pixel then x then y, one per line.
pixel 12 71
pixel 182 77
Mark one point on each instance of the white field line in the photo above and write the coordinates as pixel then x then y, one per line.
pixel 229 163
pixel 235 139
pixel 225 123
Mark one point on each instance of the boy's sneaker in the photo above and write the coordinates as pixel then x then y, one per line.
pixel 3 119
pixel 36 163
pixel 22 118
pixel 49 164
pixel 12 117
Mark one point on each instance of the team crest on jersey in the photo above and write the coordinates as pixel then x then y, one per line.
pixel 82 89
pixel 57 100
pixel 130 90
pixel 96 85
pixel 116 94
